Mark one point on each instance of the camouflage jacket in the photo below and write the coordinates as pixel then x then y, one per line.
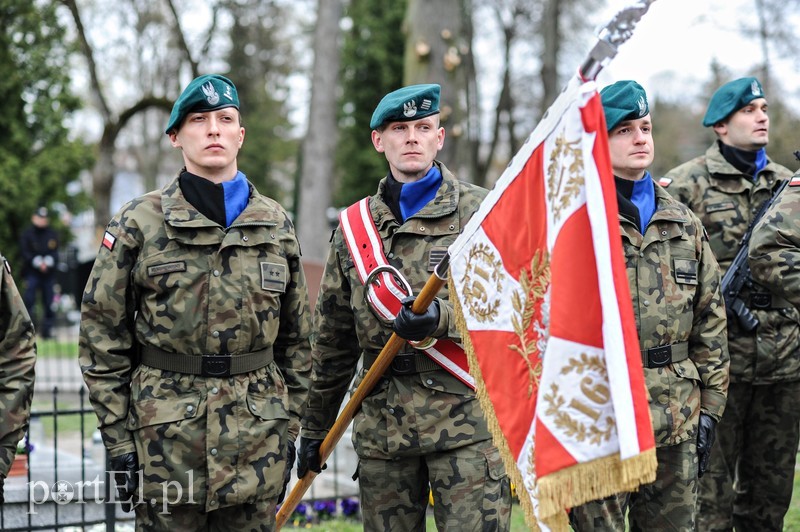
pixel 17 360
pixel 774 257
pixel 725 200
pixel 167 276
pixel 674 281
pixel 404 415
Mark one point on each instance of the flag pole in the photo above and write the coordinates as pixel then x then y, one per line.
pixel 616 32
pixel 375 372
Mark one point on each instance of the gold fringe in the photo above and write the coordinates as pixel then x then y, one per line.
pixel 563 489
pixel 593 480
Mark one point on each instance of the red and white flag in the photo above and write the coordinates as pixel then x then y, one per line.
pixel 543 304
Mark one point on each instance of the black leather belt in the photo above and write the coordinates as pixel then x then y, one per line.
pixel 222 365
pixel 405 363
pixel 658 357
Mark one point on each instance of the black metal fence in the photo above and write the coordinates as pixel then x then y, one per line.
pixel 64 485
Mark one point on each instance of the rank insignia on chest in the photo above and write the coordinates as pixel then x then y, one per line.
pixel 685 270
pixel 273 277
pixel 435 257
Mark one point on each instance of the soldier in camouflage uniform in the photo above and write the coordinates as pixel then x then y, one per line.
pixel 680 318
pixel 17 359
pixel 194 334
pixel 749 484
pixel 774 254
pixel 421 429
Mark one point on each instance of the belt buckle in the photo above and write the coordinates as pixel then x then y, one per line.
pixel 658 357
pixel 403 365
pixel 216 366
pixel 761 300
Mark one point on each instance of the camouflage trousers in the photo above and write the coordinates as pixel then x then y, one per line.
pixel 749 484
pixel 666 504
pixel 258 516
pixel 471 491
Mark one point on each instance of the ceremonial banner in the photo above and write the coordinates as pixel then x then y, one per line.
pixel 543 305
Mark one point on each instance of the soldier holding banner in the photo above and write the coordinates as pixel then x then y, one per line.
pixel 681 323
pixel 757 439
pixel 421 430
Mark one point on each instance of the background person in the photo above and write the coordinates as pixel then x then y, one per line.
pixel 725 188
pixel 39 249
pixel 194 334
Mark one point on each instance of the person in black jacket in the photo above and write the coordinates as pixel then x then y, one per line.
pixel 39 247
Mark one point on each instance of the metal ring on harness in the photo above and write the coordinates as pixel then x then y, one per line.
pixel 371 278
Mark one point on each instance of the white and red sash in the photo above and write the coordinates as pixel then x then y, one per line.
pixel 385 292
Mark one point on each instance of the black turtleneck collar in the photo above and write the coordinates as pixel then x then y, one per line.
pixel 391 196
pixel 626 206
pixel 742 160
pixel 205 196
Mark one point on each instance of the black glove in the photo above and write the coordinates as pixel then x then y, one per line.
pixel 308 457
pixel 287 475
pixel 706 434
pixel 416 327
pixel 124 467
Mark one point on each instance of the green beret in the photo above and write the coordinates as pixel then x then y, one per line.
pixel 623 100
pixel 730 98
pixel 205 93
pixel 409 103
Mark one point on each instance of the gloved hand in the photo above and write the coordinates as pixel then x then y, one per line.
pixel 124 467
pixel 706 433
pixel 416 327
pixel 287 475
pixel 308 457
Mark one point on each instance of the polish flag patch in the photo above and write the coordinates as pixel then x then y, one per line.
pixel 795 181
pixel 108 241
pixel 664 181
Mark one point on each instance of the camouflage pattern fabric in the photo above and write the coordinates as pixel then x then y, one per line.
pixel 258 516
pixel 169 277
pixel 726 201
pixel 17 361
pixel 763 489
pixel 407 416
pixel 674 281
pixel 664 505
pixel 399 490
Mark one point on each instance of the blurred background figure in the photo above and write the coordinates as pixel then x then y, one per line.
pixel 39 248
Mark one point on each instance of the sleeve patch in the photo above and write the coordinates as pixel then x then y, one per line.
pixel 664 181
pixel 108 241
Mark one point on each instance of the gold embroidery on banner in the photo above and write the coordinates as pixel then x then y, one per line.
pixel 483 278
pixel 534 288
pixel 595 394
pixel 565 177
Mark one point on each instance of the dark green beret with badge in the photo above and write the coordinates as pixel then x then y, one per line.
pixel 409 103
pixel 623 100
pixel 730 98
pixel 205 93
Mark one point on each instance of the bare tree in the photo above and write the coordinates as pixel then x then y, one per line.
pixel 436 46
pixel 320 142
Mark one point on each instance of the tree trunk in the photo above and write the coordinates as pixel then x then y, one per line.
pixel 320 143
pixel 435 48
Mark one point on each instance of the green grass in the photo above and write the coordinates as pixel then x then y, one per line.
pixel 54 348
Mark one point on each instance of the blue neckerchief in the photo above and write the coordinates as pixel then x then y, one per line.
pixel 414 196
pixel 237 194
pixel 644 197
pixel 761 162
